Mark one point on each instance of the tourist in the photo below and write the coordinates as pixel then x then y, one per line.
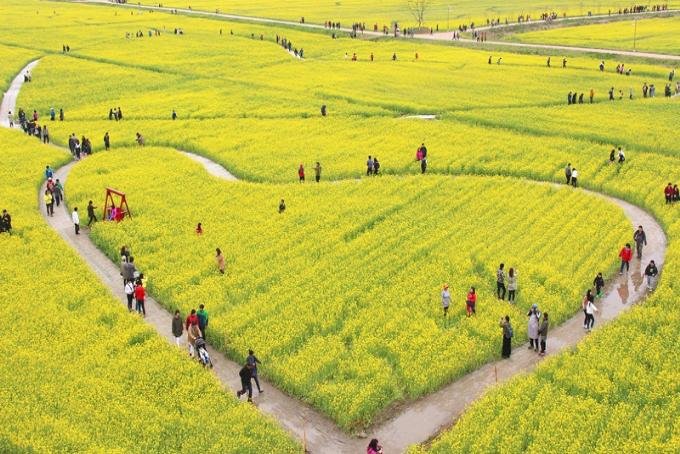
pixel 45 135
pixel 567 173
pixel 373 447
pixel 669 192
pixel 622 156
pixel 564 63
pixel 199 229
pixel 612 155
pixel 282 206
pixel 507 336
pixel 49 202
pixel 598 282
pixel 174 115
pixel 48 172
pixel 140 140
pixel 107 141
pixel 193 333
pixel 584 304
pixel 590 314
pixel 640 238
pixel 446 299
pixel 53 114
pixel 376 166
pixel 512 285
pixel 246 385
pixel 177 328
pixel 574 177
pixel 625 254
pixel 471 302
pixel 61 114
pixel 543 333
pixel 500 282
pixel 651 272
pixel 301 173
pixel 252 361
pixel 534 316
pixel 317 171
pixel 220 260
pixel 129 294
pixel 129 270
pixel 202 316
pixel 6 222
pixel 90 213
pixel 369 166
pixel 140 295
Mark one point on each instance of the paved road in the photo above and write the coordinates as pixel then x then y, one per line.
pixel 416 421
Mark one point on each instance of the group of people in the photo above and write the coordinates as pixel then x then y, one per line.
pixel 31 126
pixel 134 282
pixel 372 166
pixel 115 114
pixel 301 177
pixel 54 191
pixel 80 147
pixel 571 175
pixel 613 156
pixel 672 193
pixel 288 45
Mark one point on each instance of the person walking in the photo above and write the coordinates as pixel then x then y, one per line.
pixel 282 206
pixel 567 173
pixel 76 220
pixel 512 285
pixel 574 177
pixel 128 270
pixel 317 171
pixel 193 333
pixel 446 299
pixel 246 385
pixel 177 327
pixel 640 238
pixel 507 336
pixel 219 258
pixel 598 282
pixel 107 141
pixel 140 295
pixel 651 272
pixel 471 302
pixel 588 298
pixel 625 254
pixel 49 202
pixel 532 331
pixel 500 282
pixel 202 315
pixel 376 166
pixel 129 294
pixel 48 172
pixel 252 361
pixel 543 333
pixel 590 315
pixel 369 166
pixel 90 213
pixel 373 447
pixel 58 192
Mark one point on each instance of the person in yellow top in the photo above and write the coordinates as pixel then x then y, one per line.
pixel 49 202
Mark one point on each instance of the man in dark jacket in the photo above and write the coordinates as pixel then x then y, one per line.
pixel 640 240
pixel 246 386
pixel 651 272
pixel 6 222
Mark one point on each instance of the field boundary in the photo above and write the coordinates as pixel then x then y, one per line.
pixel 409 423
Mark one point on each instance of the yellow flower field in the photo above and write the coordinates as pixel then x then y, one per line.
pixel 352 269
pixel 81 374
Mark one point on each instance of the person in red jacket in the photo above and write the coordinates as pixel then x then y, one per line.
pixel 626 254
pixel 471 302
pixel 192 319
pixel 140 294
pixel 301 173
pixel 668 192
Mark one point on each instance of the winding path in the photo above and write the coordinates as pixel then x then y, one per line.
pixel 413 422
pixel 441 36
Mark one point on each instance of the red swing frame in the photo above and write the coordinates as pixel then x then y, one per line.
pixel 123 208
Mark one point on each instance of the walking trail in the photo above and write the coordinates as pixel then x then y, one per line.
pixel 415 422
pixel 440 36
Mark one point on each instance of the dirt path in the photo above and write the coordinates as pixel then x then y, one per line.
pixel 415 422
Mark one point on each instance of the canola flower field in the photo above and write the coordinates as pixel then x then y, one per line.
pixel 492 122
pixel 69 347
pixel 352 270
pixel 386 12
pixel 654 35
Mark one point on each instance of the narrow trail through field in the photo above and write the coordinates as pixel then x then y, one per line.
pixel 412 422
pixel 439 36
